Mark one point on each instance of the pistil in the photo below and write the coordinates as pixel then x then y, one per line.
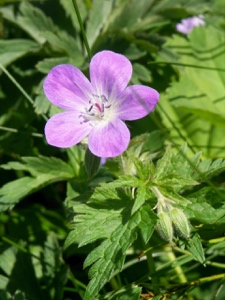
pixel 96 110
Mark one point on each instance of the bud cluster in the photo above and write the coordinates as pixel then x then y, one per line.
pixel 170 218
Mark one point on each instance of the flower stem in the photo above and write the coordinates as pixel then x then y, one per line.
pixel 82 29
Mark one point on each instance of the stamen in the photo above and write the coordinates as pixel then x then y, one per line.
pixel 96 110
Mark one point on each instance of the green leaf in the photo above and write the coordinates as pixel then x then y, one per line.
pixel 148 221
pixel 11 193
pixel 54 269
pixel 173 195
pixel 142 195
pixel 47 64
pixel 69 10
pixel 41 103
pixel 207 208
pixel 8 260
pixel 194 245
pixel 130 292
pixel 61 42
pixel 44 171
pixel 5 295
pixel 175 169
pixel 11 50
pixel 196 101
pixel 30 19
pixel 27 283
pixel 98 16
pixel 107 217
pixel 41 166
pixel 208 168
pixel 163 164
pixel 3 282
pixel 19 296
pixel 125 181
pixel 140 74
pixel 127 14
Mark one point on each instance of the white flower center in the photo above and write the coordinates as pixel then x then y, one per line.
pixel 96 111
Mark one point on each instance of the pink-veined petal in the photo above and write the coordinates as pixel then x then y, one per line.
pixel 65 130
pixel 67 87
pixel 137 102
pixel 110 73
pixel 109 139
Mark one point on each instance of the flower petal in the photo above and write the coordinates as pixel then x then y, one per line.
pixel 188 24
pixel 137 102
pixel 65 130
pixel 67 87
pixel 110 73
pixel 109 139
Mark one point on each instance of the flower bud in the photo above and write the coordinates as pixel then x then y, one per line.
pixel 164 227
pixel 180 222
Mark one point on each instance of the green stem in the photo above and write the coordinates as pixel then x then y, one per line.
pixel 186 65
pixel 18 131
pixel 172 258
pixel 179 271
pixel 114 284
pixel 216 241
pixel 19 247
pixel 207 279
pixel 76 282
pixel 24 250
pixel 215 264
pixel 152 270
pixel 19 87
pixel 82 29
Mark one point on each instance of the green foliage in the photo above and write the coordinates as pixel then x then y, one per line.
pixel 43 171
pixel 110 215
pixel 11 50
pixel 174 162
pixel 196 101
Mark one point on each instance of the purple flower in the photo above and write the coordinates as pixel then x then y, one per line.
pixel 96 108
pixel 188 24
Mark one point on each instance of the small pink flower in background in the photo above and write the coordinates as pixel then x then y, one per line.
pixel 188 24
pixel 96 108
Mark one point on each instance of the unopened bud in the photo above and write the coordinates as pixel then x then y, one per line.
pixel 180 222
pixel 164 227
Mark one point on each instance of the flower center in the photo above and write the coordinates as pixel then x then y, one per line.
pixel 96 110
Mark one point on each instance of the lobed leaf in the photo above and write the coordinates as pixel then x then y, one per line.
pixel 194 245
pixel 208 168
pixel 44 171
pixel 107 217
pixel 30 19
pixel 196 101
pixel 11 50
pixel 110 255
